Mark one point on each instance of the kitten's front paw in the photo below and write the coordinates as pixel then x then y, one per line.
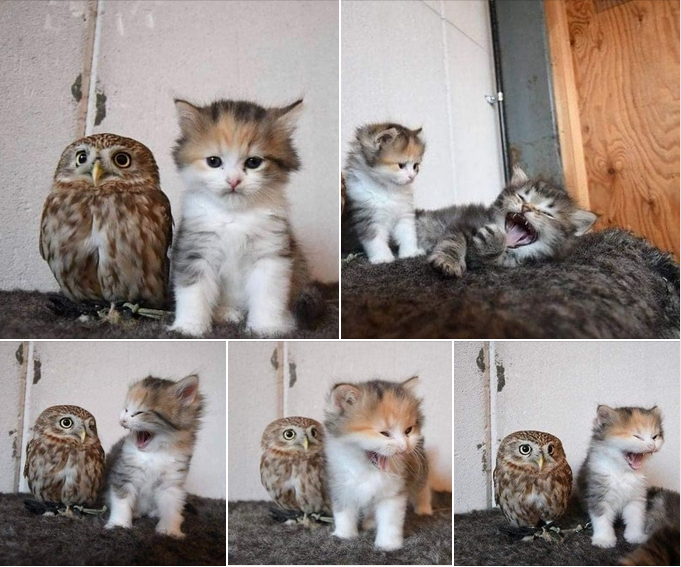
pixel 383 258
pixel 230 315
pixel 447 265
pixel 111 524
pixel 388 543
pixel 411 252
pixel 605 541
pixel 635 536
pixel 191 328
pixel 345 533
pixel 423 510
pixel 271 327
pixel 169 531
pixel 490 240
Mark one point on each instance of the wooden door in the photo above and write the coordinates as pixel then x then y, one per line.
pixel 623 85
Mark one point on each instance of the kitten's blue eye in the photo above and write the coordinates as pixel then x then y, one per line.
pixel 213 161
pixel 408 430
pixel 81 157
pixel 402 165
pixel 385 434
pixel 253 162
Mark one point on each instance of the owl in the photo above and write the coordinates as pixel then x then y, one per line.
pixel 292 464
pixel 106 224
pixel 532 479
pixel 65 460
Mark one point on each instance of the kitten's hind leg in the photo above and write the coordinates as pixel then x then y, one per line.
pixel 345 522
pixel 268 287
pixel 634 516
pixel 405 236
pixel 449 255
pixel 390 514
pixel 422 501
pixel 121 511
pixel 170 503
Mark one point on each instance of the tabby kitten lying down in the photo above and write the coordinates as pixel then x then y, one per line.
pixel 529 221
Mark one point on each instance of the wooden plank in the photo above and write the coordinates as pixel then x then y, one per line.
pixel 566 102
pixel 626 65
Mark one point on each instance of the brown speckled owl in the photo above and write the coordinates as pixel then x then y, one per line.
pixel 292 464
pixel 65 460
pixel 532 479
pixel 106 225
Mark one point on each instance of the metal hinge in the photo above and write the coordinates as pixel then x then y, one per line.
pixel 494 99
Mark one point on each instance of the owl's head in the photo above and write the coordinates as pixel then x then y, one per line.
pixel 293 435
pixel 531 450
pixel 67 423
pixel 237 151
pixel 101 160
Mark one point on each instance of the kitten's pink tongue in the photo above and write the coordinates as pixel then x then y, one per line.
pixel 635 460
pixel 515 235
pixel 379 461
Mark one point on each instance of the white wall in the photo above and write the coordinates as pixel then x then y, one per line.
pixel 10 448
pixel 96 376
pixel 556 387
pixel 148 52
pixel 254 399
pixel 426 64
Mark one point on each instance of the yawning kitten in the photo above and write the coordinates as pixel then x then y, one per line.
pixel 383 162
pixel 235 256
pixel 148 468
pixel 375 458
pixel 530 221
pixel 611 480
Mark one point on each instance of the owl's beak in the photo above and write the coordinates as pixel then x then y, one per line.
pixel 306 442
pixel 541 462
pixel 97 172
pixel 82 435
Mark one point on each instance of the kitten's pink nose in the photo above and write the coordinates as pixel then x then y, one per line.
pixel 234 182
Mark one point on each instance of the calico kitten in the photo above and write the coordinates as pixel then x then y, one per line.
pixel 383 161
pixel 235 256
pixel 375 458
pixel 529 221
pixel 611 480
pixel 148 468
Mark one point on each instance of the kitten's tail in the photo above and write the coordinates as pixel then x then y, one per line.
pixel 310 305
pixel 662 548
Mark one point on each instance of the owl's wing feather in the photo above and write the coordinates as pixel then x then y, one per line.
pixel 29 446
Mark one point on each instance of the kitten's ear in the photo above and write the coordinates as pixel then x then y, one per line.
pixel 519 177
pixel 188 115
pixel 411 383
pixel 583 220
pixel 344 396
pixel 187 389
pixel 385 137
pixel 417 131
pixel 605 414
pixel 288 114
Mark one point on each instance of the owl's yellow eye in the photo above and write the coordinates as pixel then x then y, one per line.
pixel 121 159
pixel 289 434
pixel 525 449
pixel 66 422
pixel 81 157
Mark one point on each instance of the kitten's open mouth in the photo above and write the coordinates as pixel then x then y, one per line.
pixel 379 461
pixel 519 232
pixel 142 439
pixel 635 460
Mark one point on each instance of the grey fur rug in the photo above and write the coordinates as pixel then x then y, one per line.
pixel 255 539
pixel 27 539
pixel 28 314
pixel 612 285
pixel 486 538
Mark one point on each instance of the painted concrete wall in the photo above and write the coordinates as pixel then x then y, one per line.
pixel 148 52
pixel 10 450
pixel 555 387
pixel 309 369
pixel 96 376
pixel 426 64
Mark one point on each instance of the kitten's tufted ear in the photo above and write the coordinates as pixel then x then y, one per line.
pixel 385 137
pixel 288 114
pixel 188 115
pixel 410 383
pixel 605 414
pixel 417 131
pixel 583 220
pixel 187 389
pixel 519 177
pixel 344 397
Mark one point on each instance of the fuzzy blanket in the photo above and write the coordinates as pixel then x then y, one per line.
pixel 255 539
pixel 486 538
pixel 27 539
pixel 30 314
pixel 612 285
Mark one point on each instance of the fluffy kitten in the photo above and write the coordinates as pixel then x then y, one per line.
pixel 375 458
pixel 147 469
pixel 383 162
pixel 611 480
pixel 235 256
pixel 529 221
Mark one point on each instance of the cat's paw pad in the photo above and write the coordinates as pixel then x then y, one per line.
pixel 635 537
pixel 411 252
pixel 382 258
pixel 447 265
pixel 388 543
pixel 192 329
pixel 490 240
pixel 605 541
pixel 172 532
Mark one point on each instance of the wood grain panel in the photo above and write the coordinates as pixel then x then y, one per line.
pixel 626 68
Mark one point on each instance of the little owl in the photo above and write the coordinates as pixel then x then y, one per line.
pixel 65 460
pixel 106 225
pixel 532 479
pixel 292 464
